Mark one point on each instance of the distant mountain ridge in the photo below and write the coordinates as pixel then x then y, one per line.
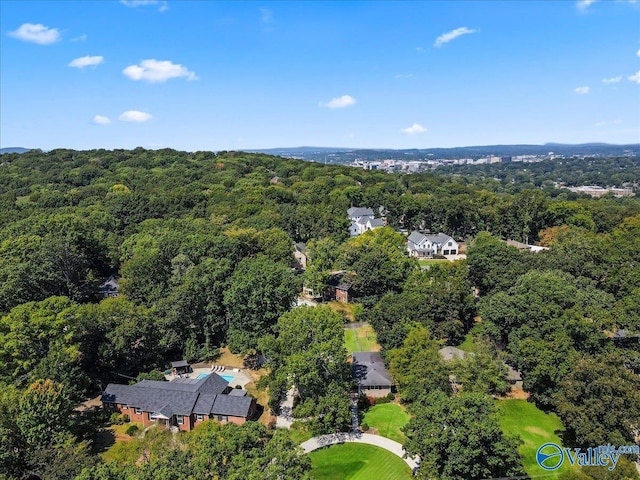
pixel 13 150
pixel 341 155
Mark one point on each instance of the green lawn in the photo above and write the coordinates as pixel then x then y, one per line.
pixel 431 261
pixel 357 461
pixel 388 419
pixel 361 339
pixel 535 428
pixel 298 433
pixel 467 345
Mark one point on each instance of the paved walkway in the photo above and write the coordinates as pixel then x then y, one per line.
pixel 394 447
pixel 285 419
pixel 355 325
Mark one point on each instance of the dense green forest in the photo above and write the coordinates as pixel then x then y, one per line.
pixel 204 241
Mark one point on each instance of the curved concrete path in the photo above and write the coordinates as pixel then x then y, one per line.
pixel 394 447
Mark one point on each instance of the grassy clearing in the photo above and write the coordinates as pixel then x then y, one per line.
pixel 535 428
pixel 361 339
pixel 357 461
pixel 431 261
pixel 388 419
pixel 299 433
pixel 347 310
pixel 118 446
pixel 468 345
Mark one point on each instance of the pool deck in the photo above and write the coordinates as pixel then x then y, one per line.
pixel 239 377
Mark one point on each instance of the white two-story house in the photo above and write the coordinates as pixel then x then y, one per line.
pixel 362 219
pixel 421 245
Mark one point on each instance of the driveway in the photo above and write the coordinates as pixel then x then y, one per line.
pixel 394 447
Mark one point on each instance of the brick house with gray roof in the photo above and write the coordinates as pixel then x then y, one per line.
pixel 183 402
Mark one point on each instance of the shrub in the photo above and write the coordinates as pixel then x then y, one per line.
pixel 131 430
pixel 252 361
pixel 363 402
pixel 391 396
pixel 365 427
pixel 119 418
pixel 381 400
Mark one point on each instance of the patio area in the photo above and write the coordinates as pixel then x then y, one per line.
pixel 235 376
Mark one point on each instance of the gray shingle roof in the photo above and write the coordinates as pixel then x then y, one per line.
pixel 150 400
pixel 369 370
pixel 416 237
pixel 237 392
pixel 204 404
pixel 212 384
pixel 182 396
pixel 231 405
pixel 376 222
pixel 440 238
pixel 449 353
pixel 165 412
pixel 359 212
pixel 179 363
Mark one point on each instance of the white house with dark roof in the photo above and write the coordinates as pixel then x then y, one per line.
pixel 427 245
pixel 371 374
pixel 362 219
pixel 183 402
pixel 109 287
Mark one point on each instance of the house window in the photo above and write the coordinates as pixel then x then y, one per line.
pixel 199 417
pixel 450 244
pixel 138 411
pixel 125 407
pixel 180 419
pixel 222 418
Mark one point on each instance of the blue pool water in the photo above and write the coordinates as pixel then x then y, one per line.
pixel 228 378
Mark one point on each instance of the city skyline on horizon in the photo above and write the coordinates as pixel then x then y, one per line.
pixel 263 75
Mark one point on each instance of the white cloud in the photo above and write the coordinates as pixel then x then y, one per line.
pixel 266 15
pixel 452 35
pixel 585 4
pixel 581 90
pixel 36 33
pixel 350 135
pixel 638 53
pixel 87 61
pixel 101 120
pixel 413 129
pixel 635 78
pixel 162 4
pixel 134 116
pixel 139 3
pixel 404 75
pixel 608 81
pixel 613 122
pixel 157 71
pixel 80 38
pixel 340 102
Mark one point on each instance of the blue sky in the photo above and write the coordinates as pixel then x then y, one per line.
pixel 198 75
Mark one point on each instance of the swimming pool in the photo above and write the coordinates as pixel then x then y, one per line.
pixel 228 378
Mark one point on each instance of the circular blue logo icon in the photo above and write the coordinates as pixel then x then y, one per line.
pixel 550 456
